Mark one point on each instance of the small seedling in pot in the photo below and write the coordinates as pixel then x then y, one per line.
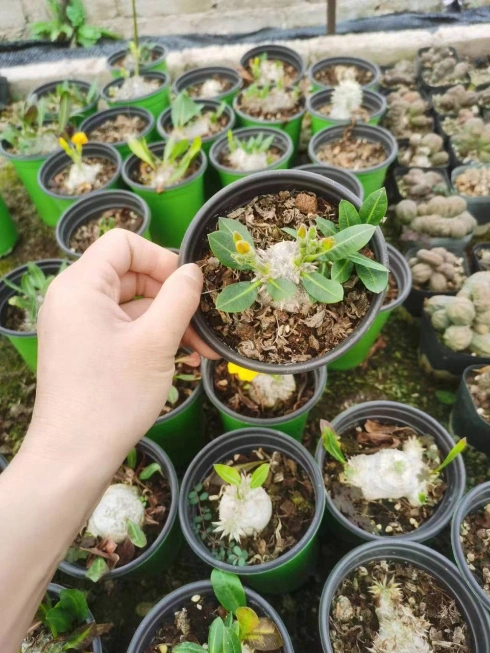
pixel 191 119
pixel 78 97
pixel 265 71
pixel 81 175
pixel 191 360
pixel 105 225
pixel 172 168
pixel 266 390
pixel 252 154
pixel 311 267
pixel 270 100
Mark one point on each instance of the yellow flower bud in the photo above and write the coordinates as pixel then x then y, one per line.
pixel 312 233
pixel 63 143
pixel 79 138
pixel 242 247
pixel 327 243
pixel 302 231
pixel 237 236
pixel 242 373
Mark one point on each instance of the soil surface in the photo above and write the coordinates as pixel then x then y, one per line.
pixel 475 541
pixel 58 183
pixel 362 114
pixel 352 153
pixel 89 231
pixel 479 394
pixel 118 130
pixel 251 108
pixel 332 75
pixel 195 91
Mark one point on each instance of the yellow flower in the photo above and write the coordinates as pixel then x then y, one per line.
pixel 63 143
pixel 242 247
pixel 79 139
pixel 241 372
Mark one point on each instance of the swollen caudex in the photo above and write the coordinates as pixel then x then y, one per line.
pixel 269 390
pixel 269 72
pixel 81 175
pixel 247 161
pixel 346 100
pixel 211 88
pixel 119 505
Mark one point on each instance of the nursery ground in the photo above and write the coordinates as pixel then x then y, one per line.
pixel 392 372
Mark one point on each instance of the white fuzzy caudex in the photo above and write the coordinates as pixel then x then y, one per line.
pixel 391 473
pixel 400 631
pixel 270 72
pixel 277 100
pixel 211 88
pixel 346 99
pixel 133 87
pixel 243 511
pixel 200 127
pixel 119 504
pixel 270 389
pixel 81 175
pixel 247 161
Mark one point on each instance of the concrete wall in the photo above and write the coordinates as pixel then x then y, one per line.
pixel 158 17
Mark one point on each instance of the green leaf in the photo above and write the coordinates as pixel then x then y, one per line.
pixel 445 397
pixel 189 647
pixel 230 226
pixel 237 297
pixel 281 289
pixel 341 270
pixel 229 474
pixel 455 451
pixel 327 227
pixel 174 149
pixel 216 636
pixel 290 232
pixel 135 534
pixel 97 569
pixel 184 109
pixel 248 621
pixel 374 280
pixel 58 619
pixel 140 149
pixel 75 604
pixel 231 642
pixel 331 442
pixel 228 589
pixel 131 458
pixel 149 470
pixel 367 262
pixel 348 215
pixel 374 207
pixel 223 247
pixel 260 475
pixel 322 289
pixel 265 636
pixel 81 638
pixel 350 240
pixel 173 395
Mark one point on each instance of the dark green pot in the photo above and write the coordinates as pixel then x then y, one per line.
pixel 59 160
pixel 289 571
pixel 162 552
pixel 8 230
pixel 344 61
pixel 154 102
pixel 76 118
pixel 159 65
pixel 172 210
pixel 292 424
pixel 200 75
pixel 99 118
pixel 24 341
pixel 373 102
pixel 282 141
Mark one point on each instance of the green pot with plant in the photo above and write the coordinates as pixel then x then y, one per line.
pixel 329 72
pixel 7 229
pixel 22 292
pixel 146 90
pixel 82 96
pixel 210 83
pixel 272 63
pixel 341 105
pixel 246 398
pixel 230 504
pixel 169 176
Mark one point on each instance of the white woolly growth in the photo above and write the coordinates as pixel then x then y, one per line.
pixel 133 87
pixel 211 88
pixel 248 161
pixel 391 473
pixel 81 175
pixel 271 72
pixel 270 389
pixel 277 100
pixel 162 177
pixel 346 99
pixel 119 504
pixel 199 127
pixel 243 511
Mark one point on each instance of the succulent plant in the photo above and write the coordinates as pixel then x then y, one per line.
pixel 424 151
pixel 407 114
pixel 437 270
pixel 452 125
pixel 447 71
pixel 440 217
pixel 484 258
pixel 434 55
pixel 474 182
pixel 484 99
pixel 418 184
pixel 472 143
pixel 346 100
pixel 402 74
pixel 454 99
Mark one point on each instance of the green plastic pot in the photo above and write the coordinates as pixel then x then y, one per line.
pixel 172 210
pixel 278 52
pixel 292 569
pixel 200 75
pixel 282 141
pixel 59 160
pixel 344 61
pixel 159 65
pixel 99 118
pixel 162 552
pixel 24 341
pixel 8 230
pixel 373 102
pixel 292 126
pixel 400 269
pixel 371 178
pixel 154 102
pixel 180 433
pixel 292 424
pixel 76 118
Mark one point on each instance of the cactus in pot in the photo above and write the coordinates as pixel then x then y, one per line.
pixel 407 114
pixel 440 217
pixel 447 71
pixel 437 270
pixel 424 151
pixel 418 184
pixel 455 99
pixel 472 143
pixel 402 74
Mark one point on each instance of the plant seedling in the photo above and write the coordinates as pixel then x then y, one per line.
pixel 191 119
pixel 251 154
pixel 140 53
pixel 81 174
pixel 191 360
pixel 270 98
pixel 266 72
pixel 105 225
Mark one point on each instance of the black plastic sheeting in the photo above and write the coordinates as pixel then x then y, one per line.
pixel 26 52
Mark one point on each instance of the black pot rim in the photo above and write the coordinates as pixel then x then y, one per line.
pixel 156 614
pixel 113 112
pixel 322 170
pixel 110 153
pixel 325 93
pixel 431 562
pixel 46 88
pixel 156 146
pixel 396 258
pixel 374 134
pixel 156 453
pixel 180 83
pixel 276 50
pixel 438 520
pixel 276 440
pixel 166 115
pixel 268 123
pixel 208 366
pixel 21 269
pixel 245 132
pixel 352 61
pixel 120 80
pixel 124 51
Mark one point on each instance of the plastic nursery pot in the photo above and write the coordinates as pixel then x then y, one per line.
pixel 78 117
pixel 91 207
pixel 439 360
pixel 465 420
pixel 475 258
pixel 241 192
pixel 200 75
pixel 292 424
pixel 290 570
pixel 403 276
pixel 282 141
pixel 479 207
pixel 291 126
pixel 344 61
pixel 371 178
pixel 24 341
pixel 157 65
pixel 440 568
pixel 154 102
pixel 8 230
pixel 60 160
pixel 400 171
pixel 99 118
pixel 173 209
pixel 162 552
pixel 403 144
pixel 281 53
pixel 176 600
pixel 342 177
pixel 164 123
pixel 371 101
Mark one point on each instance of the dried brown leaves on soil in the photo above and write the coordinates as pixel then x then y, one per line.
pixel 118 129
pixel 475 541
pixel 108 170
pixel 89 232
pixel 351 152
